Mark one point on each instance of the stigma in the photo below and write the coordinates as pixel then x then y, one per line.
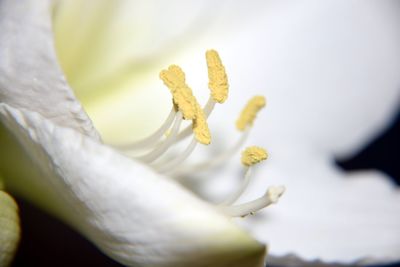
pixel 153 150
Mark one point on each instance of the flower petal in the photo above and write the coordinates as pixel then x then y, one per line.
pixel 119 48
pixel 132 214
pixel 332 84
pixel 9 228
pixel 328 97
pixel 29 69
pixel 329 215
pixel 121 38
pixel 330 80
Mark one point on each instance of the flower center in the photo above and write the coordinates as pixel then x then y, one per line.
pixel 153 150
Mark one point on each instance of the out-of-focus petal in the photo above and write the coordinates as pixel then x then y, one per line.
pixel 119 47
pixel 111 38
pixel 330 73
pixel 9 227
pixel 329 215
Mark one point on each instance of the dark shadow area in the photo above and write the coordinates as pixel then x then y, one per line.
pixel 382 154
pixel 48 242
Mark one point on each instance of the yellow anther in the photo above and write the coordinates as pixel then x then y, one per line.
pixel 249 112
pixel 174 79
pixel 253 155
pixel 200 127
pixel 218 81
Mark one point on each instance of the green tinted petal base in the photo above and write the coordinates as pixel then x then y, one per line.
pixel 9 228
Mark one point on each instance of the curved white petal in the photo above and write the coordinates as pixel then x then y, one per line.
pixel 29 69
pixel 134 215
pixel 330 73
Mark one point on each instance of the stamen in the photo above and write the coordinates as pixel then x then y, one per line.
pixel 174 79
pixel 253 155
pixel 218 80
pixel 234 197
pixel 165 145
pixel 153 138
pixel 185 106
pixel 270 197
pixel 215 161
pixel 208 108
pixel 253 106
pixel 250 156
pixel 249 113
pixel 200 127
pixel 167 166
pixel 218 85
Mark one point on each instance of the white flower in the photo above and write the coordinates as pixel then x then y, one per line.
pixel 330 72
pixel 52 155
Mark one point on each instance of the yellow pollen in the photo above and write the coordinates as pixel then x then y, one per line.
pixel 249 112
pixel 184 101
pixel 174 79
pixel 218 81
pixel 253 155
pixel 200 127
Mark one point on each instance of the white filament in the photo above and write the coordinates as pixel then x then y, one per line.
pixel 270 197
pixel 215 161
pixel 166 144
pixel 235 196
pixel 153 138
pixel 156 147
pixel 168 166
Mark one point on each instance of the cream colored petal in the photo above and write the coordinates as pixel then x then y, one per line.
pixel 112 37
pixel 9 227
pixel 118 48
pixel 29 73
pixel 134 215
